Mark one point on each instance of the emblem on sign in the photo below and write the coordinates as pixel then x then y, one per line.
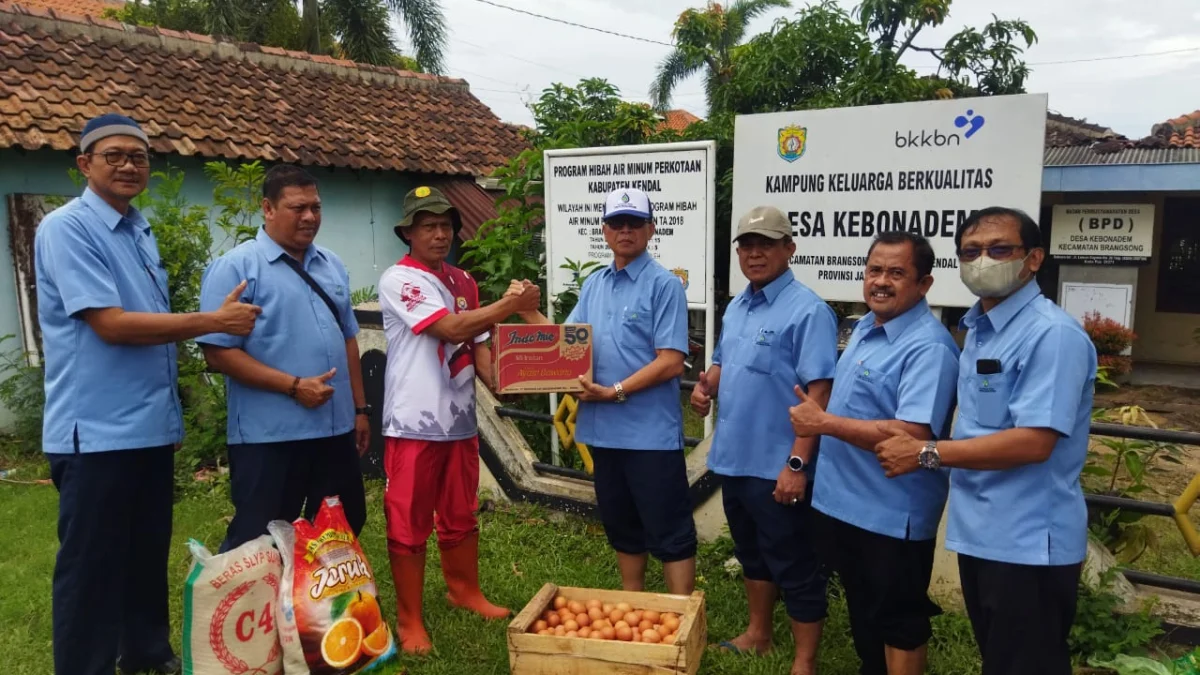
pixel 683 276
pixel 792 142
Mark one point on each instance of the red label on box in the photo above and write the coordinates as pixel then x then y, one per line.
pixel 533 359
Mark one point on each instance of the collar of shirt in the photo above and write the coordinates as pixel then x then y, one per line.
pixel 896 327
pixel 1001 314
pixel 634 268
pixel 273 250
pixel 770 291
pixel 110 216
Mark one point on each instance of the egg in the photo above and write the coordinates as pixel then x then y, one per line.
pixel 616 615
pixel 608 633
pixel 624 633
pixel 583 619
pixel 545 632
pixel 572 633
pixel 669 640
pixel 621 624
pixel 607 608
pixel 585 632
pixel 554 620
pixel 637 637
pixel 595 614
pixel 576 607
pixel 651 636
pixel 596 636
pixel 547 614
pixel 570 625
pixel 645 625
pixel 593 604
pixel 670 623
pixel 559 631
pixel 624 607
pixel 560 602
pixel 540 625
pixel 652 616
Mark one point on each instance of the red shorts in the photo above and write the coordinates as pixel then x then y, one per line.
pixel 425 478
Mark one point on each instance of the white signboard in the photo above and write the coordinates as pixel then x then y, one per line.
pixel 844 175
pixel 1111 301
pixel 1103 232
pixel 678 177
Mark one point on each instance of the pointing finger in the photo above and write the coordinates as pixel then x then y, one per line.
pixel 233 295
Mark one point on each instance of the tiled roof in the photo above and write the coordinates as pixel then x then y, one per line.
pixel 1075 142
pixel 75 7
pixel 197 96
pixel 1181 132
pixel 677 120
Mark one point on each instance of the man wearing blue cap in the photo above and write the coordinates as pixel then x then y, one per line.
pixel 112 417
pixel 630 416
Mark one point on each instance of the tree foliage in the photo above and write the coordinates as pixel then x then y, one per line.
pixel 358 30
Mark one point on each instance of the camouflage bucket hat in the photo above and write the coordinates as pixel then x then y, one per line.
pixel 429 199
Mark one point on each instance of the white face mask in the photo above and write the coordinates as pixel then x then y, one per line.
pixel 989 278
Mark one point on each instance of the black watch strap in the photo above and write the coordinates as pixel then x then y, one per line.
pixel 365 410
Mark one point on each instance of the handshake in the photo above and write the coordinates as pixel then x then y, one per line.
pixel 528 297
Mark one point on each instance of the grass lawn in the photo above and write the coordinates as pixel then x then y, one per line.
pixel 522 548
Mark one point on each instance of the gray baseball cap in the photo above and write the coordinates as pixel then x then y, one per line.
pixel 767 221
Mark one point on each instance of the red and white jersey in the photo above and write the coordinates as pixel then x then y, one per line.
pixel 429 386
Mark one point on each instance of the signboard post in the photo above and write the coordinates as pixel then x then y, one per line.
pixel 1102 234
pixel 844 175
pixel 680 179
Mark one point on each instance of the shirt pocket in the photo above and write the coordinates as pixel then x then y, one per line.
pixel 868 396
pixel 763 350
pixel 637 321
pixel 992 393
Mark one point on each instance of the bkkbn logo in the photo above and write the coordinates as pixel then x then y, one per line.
pixel 935 138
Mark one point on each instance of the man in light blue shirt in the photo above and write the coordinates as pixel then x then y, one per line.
pixel 298 418
pixel 877 533
pixel 113 418
pixel 1017 517
pixel 630 416
pixel 777 337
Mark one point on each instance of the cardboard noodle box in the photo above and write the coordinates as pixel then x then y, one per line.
pixel 541 359
pixel 531 654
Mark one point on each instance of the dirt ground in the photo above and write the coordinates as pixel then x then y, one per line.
pixel 1169 408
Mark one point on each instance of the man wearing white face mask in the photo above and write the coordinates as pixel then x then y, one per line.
pixel 1016 517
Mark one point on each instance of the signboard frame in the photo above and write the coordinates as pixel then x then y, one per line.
pixel 709 238
pixel 1062 231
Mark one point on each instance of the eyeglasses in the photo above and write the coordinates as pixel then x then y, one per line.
pixel 998 252
pixel 118 158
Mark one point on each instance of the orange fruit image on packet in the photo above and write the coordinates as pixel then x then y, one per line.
pixel 328 611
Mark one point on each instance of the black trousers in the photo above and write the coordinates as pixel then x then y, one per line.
pixel 1021 614
pixel 110 576
pixel 282 481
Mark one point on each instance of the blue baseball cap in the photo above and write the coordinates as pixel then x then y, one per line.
pixel 628 202
pixel 110 124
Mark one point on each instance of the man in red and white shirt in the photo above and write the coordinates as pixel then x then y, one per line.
pixel 437 342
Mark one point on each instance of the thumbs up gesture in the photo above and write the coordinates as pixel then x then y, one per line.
pixel 808 417
pixel 702 396
pixel 313 392
pixel 236 317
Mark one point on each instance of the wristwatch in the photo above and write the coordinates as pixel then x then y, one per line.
pixel 365 410
pixel 929 458
pixel 620 392
pixel 796 464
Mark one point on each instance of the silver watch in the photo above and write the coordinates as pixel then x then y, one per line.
pixel 929 458
pixel 620 392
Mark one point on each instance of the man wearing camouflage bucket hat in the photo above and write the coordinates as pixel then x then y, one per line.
pixel 437 342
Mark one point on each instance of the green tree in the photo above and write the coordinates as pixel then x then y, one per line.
pixel 705 40
pixel 359 30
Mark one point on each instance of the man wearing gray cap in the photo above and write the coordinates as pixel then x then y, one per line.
pixel 112 417
pixel 778 337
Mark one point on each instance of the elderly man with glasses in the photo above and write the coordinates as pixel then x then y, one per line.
pixel 1017 517
pixel 113 417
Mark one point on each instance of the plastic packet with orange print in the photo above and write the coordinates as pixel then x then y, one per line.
pixel 328 610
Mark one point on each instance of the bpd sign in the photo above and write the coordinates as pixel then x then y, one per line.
pixel 1103 234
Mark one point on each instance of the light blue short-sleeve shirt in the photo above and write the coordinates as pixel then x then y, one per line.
pixel 296 333
pixel 634 312
pixel 1033 514
pixel 907 370
pixel 771 340
pixel 102 397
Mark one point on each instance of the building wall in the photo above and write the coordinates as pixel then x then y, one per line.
pixel 1162 337
pixel 359 210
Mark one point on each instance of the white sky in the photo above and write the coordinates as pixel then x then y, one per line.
pixel 508 58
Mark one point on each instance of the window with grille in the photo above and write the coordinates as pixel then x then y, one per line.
pixel 1179 257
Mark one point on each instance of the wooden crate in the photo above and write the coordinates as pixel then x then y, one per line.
pixel 530 654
